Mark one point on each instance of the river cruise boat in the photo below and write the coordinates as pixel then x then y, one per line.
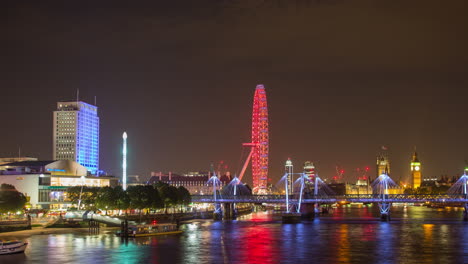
pixel 11 247
pixel 151 230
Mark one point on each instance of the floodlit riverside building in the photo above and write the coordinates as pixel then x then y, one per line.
pixel 361 187
pixel 76 134
pixel 45 183
pixel 194 182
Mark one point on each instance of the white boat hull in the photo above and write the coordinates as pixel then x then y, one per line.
pixel 13 248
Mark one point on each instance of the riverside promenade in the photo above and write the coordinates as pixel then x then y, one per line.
pixel 47 231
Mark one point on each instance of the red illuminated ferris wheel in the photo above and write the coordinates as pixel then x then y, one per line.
pixel 260 139
pixel 259 143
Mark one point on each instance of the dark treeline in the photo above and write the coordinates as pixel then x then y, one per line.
pixel 157 196
pixel 10 199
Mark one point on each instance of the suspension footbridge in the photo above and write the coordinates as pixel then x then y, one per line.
pixel 316 192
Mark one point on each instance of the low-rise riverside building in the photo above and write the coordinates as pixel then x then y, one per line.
pixel 45 183
pixel 194 182
pixel 16 159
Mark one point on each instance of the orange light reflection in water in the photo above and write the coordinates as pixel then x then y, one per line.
pixel 342 244
pixel 428 237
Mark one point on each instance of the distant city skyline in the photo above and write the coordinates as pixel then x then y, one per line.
pixel 343 78
pixel 350 173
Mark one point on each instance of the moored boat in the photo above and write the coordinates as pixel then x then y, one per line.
pixel 151 230
pixel 11 247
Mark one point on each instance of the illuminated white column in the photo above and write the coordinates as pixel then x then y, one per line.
pixel 124 161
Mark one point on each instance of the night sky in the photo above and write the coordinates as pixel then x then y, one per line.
pixel 342 79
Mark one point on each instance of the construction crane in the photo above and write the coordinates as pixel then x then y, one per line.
pixel 339 174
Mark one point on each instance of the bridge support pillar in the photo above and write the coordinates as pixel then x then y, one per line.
pixel 291 218
pixel 465 213
pixel 29 221
pixel 230 212
pixel 308 211
pixel 234 211
pixel 324 209
pixel 93 226
pixel 317 209
pixel 218 212
pixel 124 229
pixel 385 211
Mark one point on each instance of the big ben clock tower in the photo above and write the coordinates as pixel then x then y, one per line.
pixel 416 171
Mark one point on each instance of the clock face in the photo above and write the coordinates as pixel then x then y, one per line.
pixel 416 168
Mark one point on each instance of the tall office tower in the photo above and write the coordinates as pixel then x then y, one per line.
pixel 416 177
pixel 309 170
pixel 288 168
pixel 76 134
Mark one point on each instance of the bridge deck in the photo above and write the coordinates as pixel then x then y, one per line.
pixel 363 198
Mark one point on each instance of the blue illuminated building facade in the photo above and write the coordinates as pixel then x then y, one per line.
pixel 76 134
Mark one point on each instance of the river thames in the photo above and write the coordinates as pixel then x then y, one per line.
pixel 350 234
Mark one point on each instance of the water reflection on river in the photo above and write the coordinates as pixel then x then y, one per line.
pixel 347 235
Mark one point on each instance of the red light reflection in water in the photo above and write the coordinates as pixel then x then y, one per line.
pixel 367 212
pixel 154 255
pixel 258 246
pixel 259 217
pixel 369 233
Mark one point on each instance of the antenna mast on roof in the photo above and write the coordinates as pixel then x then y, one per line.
pixel 77 95
pixel 95 100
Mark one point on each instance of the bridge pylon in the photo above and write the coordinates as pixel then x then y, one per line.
pixel 461 187
pixel 233 189
pixel 292 214
pixel 217 212
pixel 381 186
pixel 307 211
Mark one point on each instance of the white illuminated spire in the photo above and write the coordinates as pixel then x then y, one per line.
pixel 124 161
